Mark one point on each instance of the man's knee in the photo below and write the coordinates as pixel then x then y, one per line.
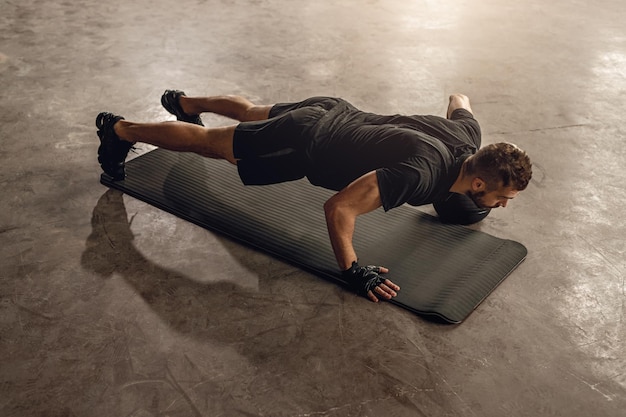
pixel 256 112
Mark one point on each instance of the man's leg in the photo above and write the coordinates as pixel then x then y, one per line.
pixel 188 109
pixel 214 142
pixel 118 135
pixel 234 107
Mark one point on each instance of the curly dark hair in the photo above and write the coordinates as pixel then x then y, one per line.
pixel 501 164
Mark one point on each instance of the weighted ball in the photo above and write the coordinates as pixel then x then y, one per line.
pixel 460 209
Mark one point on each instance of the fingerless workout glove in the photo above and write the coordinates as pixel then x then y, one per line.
pixel 362 279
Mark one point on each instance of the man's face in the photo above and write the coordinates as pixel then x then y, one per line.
pixel 493 199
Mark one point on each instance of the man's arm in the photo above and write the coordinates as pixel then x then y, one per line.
pixel 342 209
pixel 458 101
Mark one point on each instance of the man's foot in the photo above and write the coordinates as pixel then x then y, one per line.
pixel 171 102
pixel 112 151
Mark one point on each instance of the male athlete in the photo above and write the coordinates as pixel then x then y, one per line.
pixel 371 160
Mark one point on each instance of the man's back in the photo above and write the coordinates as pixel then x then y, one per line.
pixel 416 157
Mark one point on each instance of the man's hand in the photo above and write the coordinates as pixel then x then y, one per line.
pixel 367 281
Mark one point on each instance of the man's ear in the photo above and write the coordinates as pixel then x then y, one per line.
pixel 478 184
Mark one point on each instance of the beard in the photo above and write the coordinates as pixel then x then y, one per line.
pixel 478 199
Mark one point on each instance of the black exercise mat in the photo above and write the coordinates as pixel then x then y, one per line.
pixel 443 270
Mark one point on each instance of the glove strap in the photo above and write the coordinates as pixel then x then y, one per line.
pixel 362 279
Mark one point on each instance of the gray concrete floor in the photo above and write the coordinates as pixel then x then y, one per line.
pixel 111 307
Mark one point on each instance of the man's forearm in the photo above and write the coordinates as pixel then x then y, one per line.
pixel 340 231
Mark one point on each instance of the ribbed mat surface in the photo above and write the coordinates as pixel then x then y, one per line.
pixel 443 270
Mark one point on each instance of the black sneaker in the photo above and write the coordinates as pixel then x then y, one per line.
pixel 170 102
pixel 112 151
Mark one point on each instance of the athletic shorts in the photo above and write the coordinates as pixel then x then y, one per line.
pixel 274 150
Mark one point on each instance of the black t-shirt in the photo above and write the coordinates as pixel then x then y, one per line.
pixel 416 158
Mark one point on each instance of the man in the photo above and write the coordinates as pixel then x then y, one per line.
pixel 371 160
